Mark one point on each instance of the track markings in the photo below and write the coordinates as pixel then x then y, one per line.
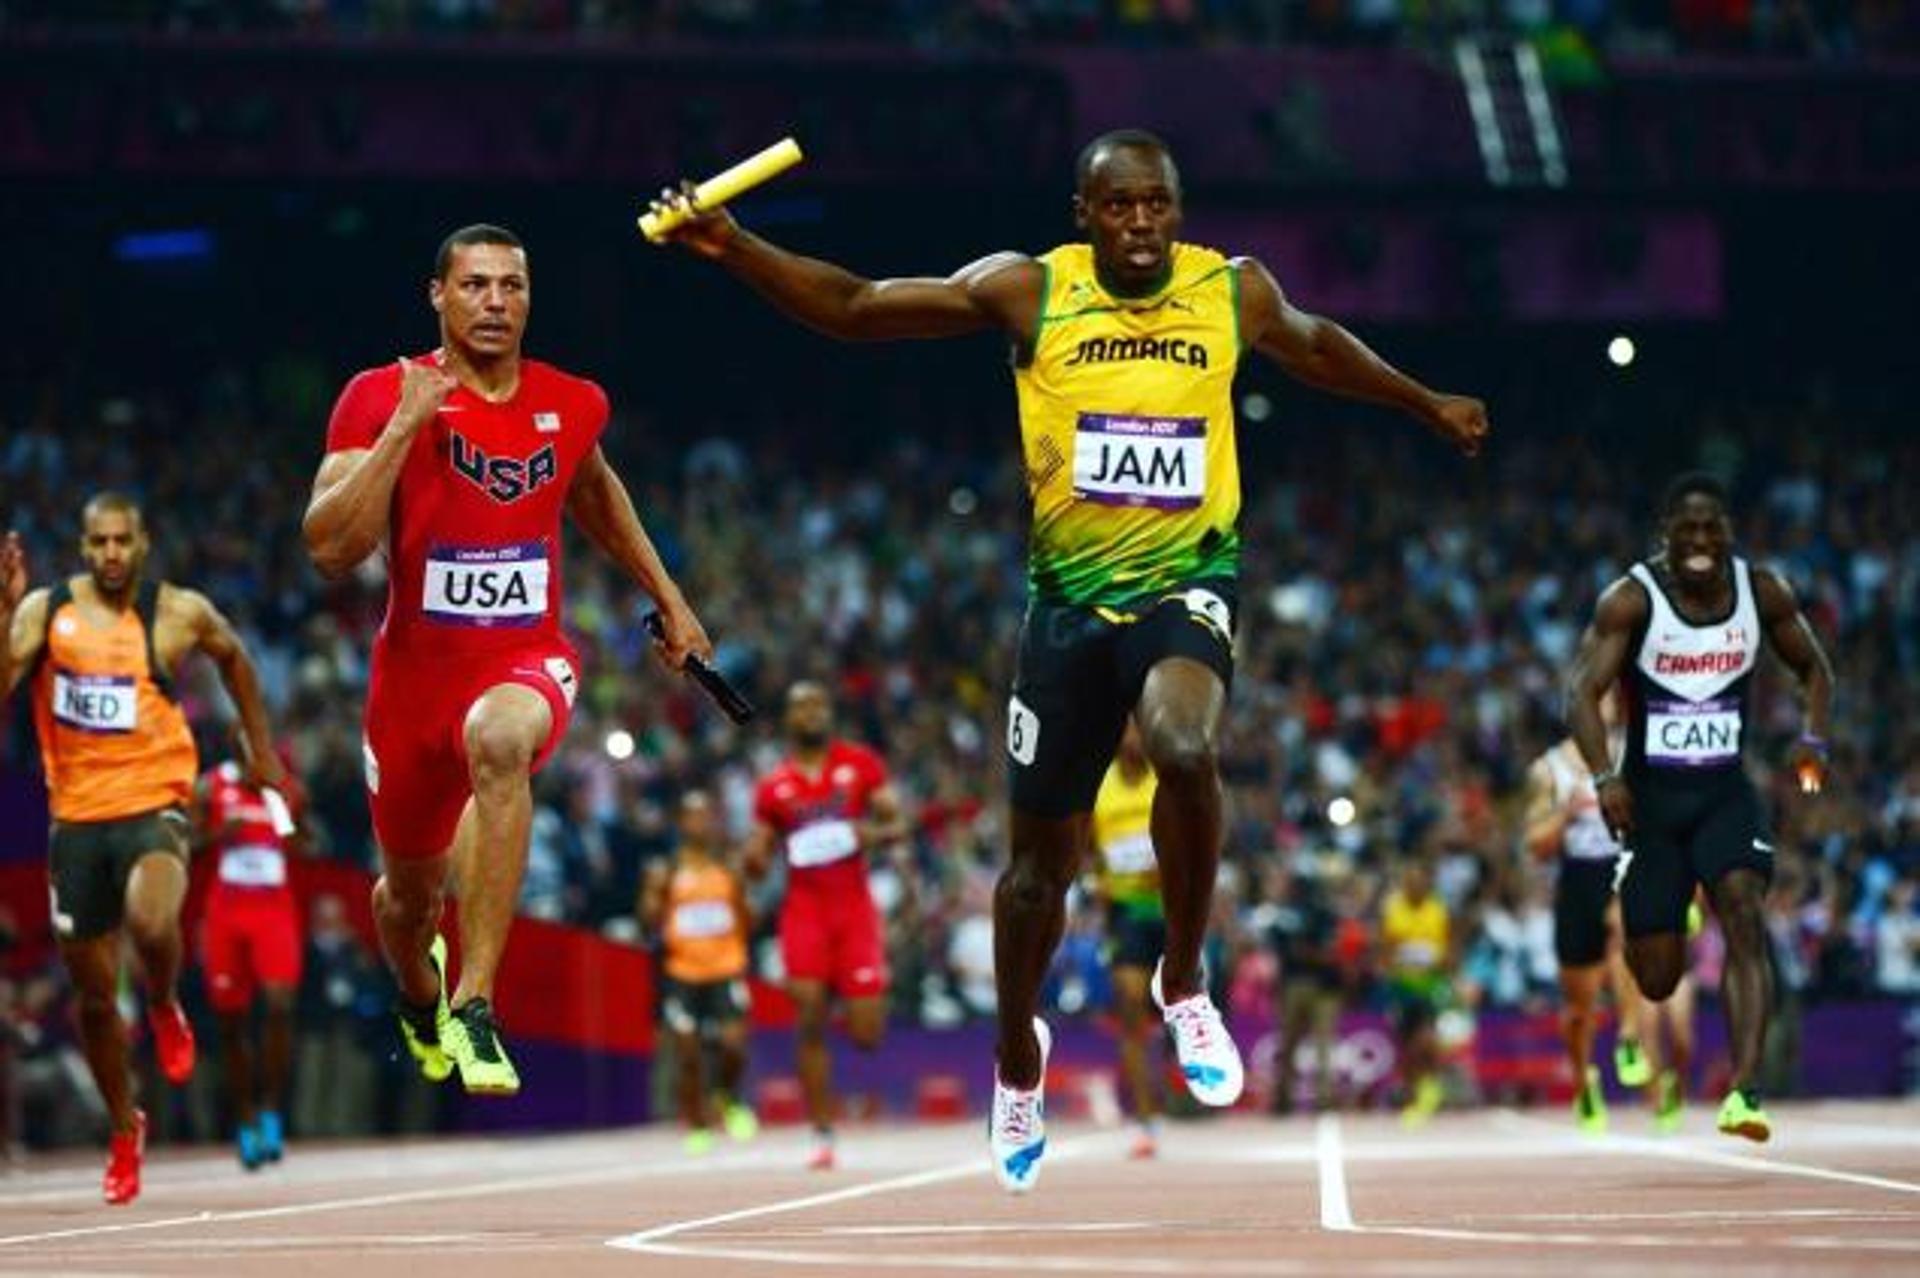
pixel 1336 1214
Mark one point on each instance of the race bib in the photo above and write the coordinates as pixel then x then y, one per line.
pixel 95 703
pixel 1132 854
pixel 821 843
pixel 1692 734
pixel 486 585
pixel 1416 954
pixel 256 867
pixel 702 918
pixel 1121 460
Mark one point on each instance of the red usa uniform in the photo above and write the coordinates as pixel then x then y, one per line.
pixel 829 928
pixel 474 592
pixel 250 935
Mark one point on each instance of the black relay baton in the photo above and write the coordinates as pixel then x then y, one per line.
pixel 711 681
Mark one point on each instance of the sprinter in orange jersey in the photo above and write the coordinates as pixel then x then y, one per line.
pixel 698 907
pixel 100 650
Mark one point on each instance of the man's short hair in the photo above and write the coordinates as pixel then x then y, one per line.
pixel 1116 140
pixel 1689 484
pixel 478 233
pixel 111 502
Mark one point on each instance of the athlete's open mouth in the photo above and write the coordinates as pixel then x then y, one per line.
pixel 1698 563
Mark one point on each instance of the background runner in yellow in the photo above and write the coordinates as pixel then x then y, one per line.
pixel 1126 421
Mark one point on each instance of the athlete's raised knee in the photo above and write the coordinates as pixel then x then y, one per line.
pixel 499 745
pixel 1182 752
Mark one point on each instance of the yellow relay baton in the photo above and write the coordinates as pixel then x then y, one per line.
pixel 657 224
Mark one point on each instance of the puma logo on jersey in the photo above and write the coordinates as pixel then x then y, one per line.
pixel 505 479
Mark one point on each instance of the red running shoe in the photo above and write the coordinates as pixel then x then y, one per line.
pixel 124 1151
pixel 172 1040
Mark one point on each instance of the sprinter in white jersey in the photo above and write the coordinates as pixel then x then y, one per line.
pixel 1563 824
pixel 1684 630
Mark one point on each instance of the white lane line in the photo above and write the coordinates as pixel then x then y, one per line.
pixel 1713 1158
pixel 643 1239
pixel 481 1189
pixel 1336 1214
pixel 1183 1267
pixel 1721 1216
pixel 1038 1227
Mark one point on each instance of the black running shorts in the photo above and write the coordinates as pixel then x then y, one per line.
pixel 1080 675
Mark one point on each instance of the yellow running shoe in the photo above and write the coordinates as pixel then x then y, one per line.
pixel 699 1142
pixel 474 1043
pixel 1630 1063
pixel 1741 1115
pixel 423 1029
pixel 1669 1105
pixel 1590 1105
pixel 740 1121
pixel 1427 1098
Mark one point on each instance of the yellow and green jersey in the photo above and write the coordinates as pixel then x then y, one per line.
pixel 1123 836
pixel 1126 424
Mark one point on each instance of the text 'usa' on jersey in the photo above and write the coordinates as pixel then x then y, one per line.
pixel 1689 684
pixel 474 551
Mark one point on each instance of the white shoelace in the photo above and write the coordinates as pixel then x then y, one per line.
pixel 1195 1020
pixel 1017 1114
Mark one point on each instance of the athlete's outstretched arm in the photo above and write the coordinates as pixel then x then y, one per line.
pixel 1597 666
pixel 1000 291
pixel 1793 638
pixel 601 506
pixel 1321 353
pixel 352 498
pixel 214 635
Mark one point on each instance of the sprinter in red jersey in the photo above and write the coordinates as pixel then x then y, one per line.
pixel 827 803
pixel 250 940
pixel 458 464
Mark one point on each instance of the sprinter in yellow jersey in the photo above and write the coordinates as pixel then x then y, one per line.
pixel 101 649
pixel 1125 348
pixel 697 906
pixel 1129 884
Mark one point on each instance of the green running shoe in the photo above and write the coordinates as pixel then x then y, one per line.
pixel 699 1142
pixel 741 1123
pixel 474 1043
pixel 1669 1105
pixel 1741 1115
pixel 423 1029
pixel 1630 1064
pixel 1590 1105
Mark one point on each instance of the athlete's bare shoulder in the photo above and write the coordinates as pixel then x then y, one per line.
pixel 1006 286
pixel 1622 605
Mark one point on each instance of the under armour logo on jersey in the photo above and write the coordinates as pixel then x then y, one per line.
pixel 505 479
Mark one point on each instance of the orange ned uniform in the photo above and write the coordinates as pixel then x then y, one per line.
pixel 114 742
pixel 704 939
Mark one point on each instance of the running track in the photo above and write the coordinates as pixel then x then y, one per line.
pixel 1488 1192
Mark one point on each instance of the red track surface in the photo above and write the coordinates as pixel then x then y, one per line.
pixel 1483 1193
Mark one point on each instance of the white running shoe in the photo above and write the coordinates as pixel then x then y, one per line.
pixel 1208 1059
pixel 1017 1129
